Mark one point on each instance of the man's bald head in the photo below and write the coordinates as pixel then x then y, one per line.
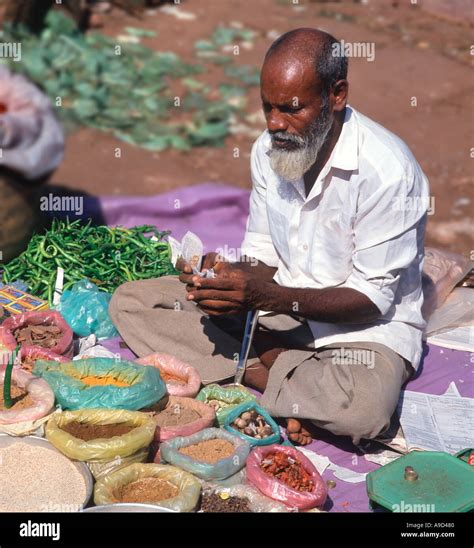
pixel 313 49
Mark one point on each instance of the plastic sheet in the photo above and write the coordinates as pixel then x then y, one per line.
pixel 247 406
pixel 103 454
pixel 86 310
pixel 40 393
pixel 145 385
pixel 63 347
pixel 170 365
pixel 105 491
pixel 208 416
pixel 276 489
pixel 222 469
pixel 232 396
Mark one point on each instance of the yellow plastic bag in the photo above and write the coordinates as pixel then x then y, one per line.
pixel 101 450
pixel 106 489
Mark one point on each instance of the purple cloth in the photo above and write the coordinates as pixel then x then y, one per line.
pixel 218 213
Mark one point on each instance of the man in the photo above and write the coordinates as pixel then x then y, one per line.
pixel 333 251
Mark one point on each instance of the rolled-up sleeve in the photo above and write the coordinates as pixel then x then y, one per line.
pixel 388 229
pixel 257 242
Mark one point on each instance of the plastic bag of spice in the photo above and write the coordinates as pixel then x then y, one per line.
pixel 310 490
pixel 169 487
pixel 181 379
pixel 30 354
pixel 256 502
pixel 252 429
pixel 102 382
pixel 210 454
pixel 45 329
pixel 182 417
pixel 106 439
pixel 224 399
pixel 32 398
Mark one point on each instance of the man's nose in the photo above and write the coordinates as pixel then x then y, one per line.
pixel 276 122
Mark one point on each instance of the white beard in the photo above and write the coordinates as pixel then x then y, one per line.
pixel 291 165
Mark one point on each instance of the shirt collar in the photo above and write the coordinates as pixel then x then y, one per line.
pixel 346 152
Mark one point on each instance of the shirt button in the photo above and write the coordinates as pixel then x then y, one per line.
pixel 305 247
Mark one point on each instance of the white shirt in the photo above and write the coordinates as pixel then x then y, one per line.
pixel 362 226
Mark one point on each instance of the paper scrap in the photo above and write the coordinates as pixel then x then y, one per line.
pixel 323 463
pixel 437 423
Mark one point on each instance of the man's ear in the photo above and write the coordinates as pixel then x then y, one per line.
pixel 339 94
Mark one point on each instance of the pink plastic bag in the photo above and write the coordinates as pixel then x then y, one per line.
pixel 171 366
pixel 40 393
pixel 64 347
pixel 208 416
pixel 278 490
pixel 29 355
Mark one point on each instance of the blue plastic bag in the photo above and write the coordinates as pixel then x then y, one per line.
pixel 86 310
pixel 169 452
pixel 144 384
pixel 247 406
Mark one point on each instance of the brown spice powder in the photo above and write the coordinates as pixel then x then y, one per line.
pixel 176 415
pixel 147 490
pixel 20 398
pixel 210 451
pixel 88 432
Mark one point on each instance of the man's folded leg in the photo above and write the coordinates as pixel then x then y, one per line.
pixel 350 390
pixel 154 316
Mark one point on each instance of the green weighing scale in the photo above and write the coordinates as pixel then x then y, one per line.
pixel 424 481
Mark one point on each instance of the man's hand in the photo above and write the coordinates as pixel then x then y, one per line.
pixel 231 292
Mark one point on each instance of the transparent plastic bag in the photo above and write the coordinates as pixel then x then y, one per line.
pixel 63 347
pixel 102 449
pixel 145 386
pixel 276 489
pixel 247 406
pixel 257 501
pixel 86 310
pixel 231 396
pixel 171 366
pixel 106 489
pixel 456 311
pixel 442 271
pixel 222 469
pixel 208 416
pixel 38 390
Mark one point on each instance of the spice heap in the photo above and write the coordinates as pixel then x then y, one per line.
pixel 46 336
pixel 210 451
pixel 176 415
pixel 37 479
pixel 20 398
pixel 288 470
pixel 147 490
pixel 88 432
pixel 27 363
pixel 91 380
pixel 253 424
pixel 223 503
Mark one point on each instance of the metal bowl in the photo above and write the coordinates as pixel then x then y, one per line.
pixel 129 507
pixel 6 440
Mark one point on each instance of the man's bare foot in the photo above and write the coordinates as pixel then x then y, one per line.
pixel 297 433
